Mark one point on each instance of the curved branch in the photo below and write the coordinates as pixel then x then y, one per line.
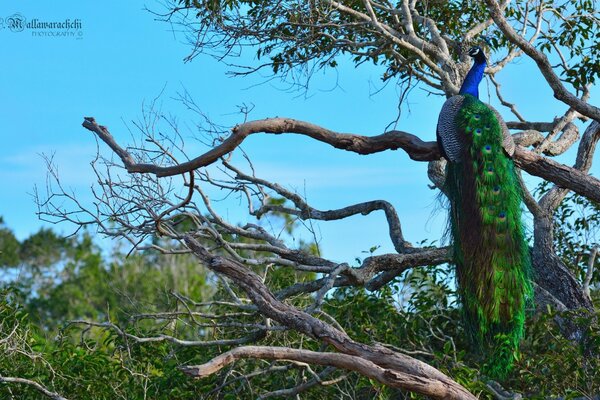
pixel 364 367
pixel 305 211
pixel 417 150
pixel 392 140
pixel 33 384
pixel 569 136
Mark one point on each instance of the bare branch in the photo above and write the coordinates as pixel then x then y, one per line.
pixel 34 385
pixel 375 271
pixel 417 149
pixel 305 211
pixel 505 103
pixel 258 334
pixel 387 376
pixel 392 140
pixel 318 379
pixel 438 384
pixel 560 174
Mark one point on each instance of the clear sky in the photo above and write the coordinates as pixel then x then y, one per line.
pixel 124 57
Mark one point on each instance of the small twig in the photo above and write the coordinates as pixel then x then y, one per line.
pixel 590 271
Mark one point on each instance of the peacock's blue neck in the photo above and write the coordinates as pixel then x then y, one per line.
pixel 471 82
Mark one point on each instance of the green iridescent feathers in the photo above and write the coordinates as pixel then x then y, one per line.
pixel 490 251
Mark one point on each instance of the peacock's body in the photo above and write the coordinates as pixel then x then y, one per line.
pixel 491 255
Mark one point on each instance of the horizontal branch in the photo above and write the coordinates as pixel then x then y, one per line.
pixel 364 367
pixel 393 265
pixel 305 211
pixel 417 150
pixel 34 385
pixel 251 337
pixel 536 126
pixel 375 271
pixel 559 174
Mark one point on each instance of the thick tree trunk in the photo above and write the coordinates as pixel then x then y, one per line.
pixel 556 284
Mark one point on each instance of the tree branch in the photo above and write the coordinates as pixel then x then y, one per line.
pixel 375 271
pixel 560 92
pixel 387 376
pixel 417 150
pixel 305 211
pixel 34 385
pixel 438 385
pixel 559 174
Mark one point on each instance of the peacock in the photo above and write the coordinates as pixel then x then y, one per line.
pixel 493 265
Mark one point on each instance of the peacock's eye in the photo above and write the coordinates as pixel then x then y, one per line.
pixel 478 131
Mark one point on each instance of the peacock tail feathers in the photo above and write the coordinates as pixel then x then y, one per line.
pixel 490 251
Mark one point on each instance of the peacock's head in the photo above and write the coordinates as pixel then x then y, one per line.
pixel 477 53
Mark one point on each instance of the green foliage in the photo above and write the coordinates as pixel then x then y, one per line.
pixel 548 359
pixel 304 36
pixel 9 247
pixel 416 314
pixel 297 38
pixel 44 248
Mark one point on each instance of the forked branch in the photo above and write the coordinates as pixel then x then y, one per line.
pixel 407 372
pixel 417 150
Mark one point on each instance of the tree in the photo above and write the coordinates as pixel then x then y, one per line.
pixel 416 43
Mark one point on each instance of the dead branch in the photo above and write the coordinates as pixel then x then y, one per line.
pixel 305 211
pixel 438 385
pixel 392 140
pixel 41 389
pixel 559 174
pixel 252 337
pixel 417 149
pixel 387 376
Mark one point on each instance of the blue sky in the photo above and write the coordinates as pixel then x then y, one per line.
pixel 125 57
